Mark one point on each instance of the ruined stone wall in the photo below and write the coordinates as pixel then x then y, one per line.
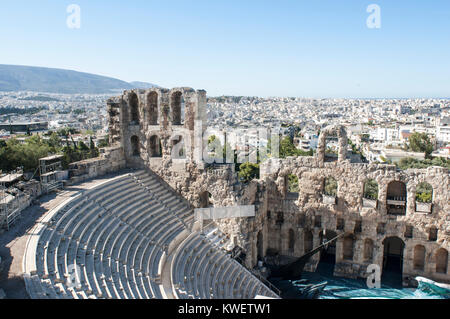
pixel 277 214
pixel 111 160
pixel 309 212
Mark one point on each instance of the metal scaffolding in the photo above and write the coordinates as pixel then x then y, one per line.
pixel 10 204
pixel 49 168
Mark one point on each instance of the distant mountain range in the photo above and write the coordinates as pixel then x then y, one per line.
pixel 38 79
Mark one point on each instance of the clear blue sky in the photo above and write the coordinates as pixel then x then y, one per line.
pixel 266 48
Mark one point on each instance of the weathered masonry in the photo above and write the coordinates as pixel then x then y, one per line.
pixel 156 129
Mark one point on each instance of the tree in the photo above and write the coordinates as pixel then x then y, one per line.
pixel 92 149
pixel 424 193
pixel 410 162
pixel 54 142
pixel 287 148
pixel 248 171
pixel 371 189
pixel 420 142
pixel 104 143
pixel 293 185
pixel 330 187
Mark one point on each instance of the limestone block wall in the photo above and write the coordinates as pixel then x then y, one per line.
pixel 283 224
pixel 111 160
pixel 308 212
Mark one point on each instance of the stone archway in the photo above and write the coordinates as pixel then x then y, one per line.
pixel 134 108
pixel 178 111
pixel 342 142
pixel 396 198
pixel 442 261
pixel 393 260
pixel 155 147
pixel 328 255
pixel 152 101
pixel 135 147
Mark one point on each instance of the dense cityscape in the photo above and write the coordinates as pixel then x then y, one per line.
pixel 380 128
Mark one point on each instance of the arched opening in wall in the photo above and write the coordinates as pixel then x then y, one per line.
pixel 442 261
pixel 135 149
pixel 205 200
pixel 340 224
pixel 348 247
pixel 153 108
pixel 396 198
pixel 260 245
pixel 178 148
pixel 327 255
pixel 329 193
pixel 419 258
pixel 308 241
pixel 393 260
pixel 331 147
pixel 424 198
pixel 409 230
pixel 291 240
pixel 371 189
pixel 424 193
pixel 134 109
pixel 433 234
pixel 358 227
pixel 292 187
pixel 368 250
pixel 155 146
pixel 178 108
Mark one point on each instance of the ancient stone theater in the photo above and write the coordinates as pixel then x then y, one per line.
pixel 138 233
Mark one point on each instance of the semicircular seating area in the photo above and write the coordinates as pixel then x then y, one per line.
pixel 111 242
pixel 202 270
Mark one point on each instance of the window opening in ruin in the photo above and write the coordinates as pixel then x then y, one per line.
pixel 153 108
pixel 424 193
pixel 371 189
pixel 178 108
pixel 259 245
pixel 330 187
pixel 433 234
pixel 409 231
pixel 331 147
pixel 155 146
pixel 358 227
pixel 134 109
pixel 340 224
pixel 292 186
pixel 396 198
pixel 135 146
pixel 419 258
